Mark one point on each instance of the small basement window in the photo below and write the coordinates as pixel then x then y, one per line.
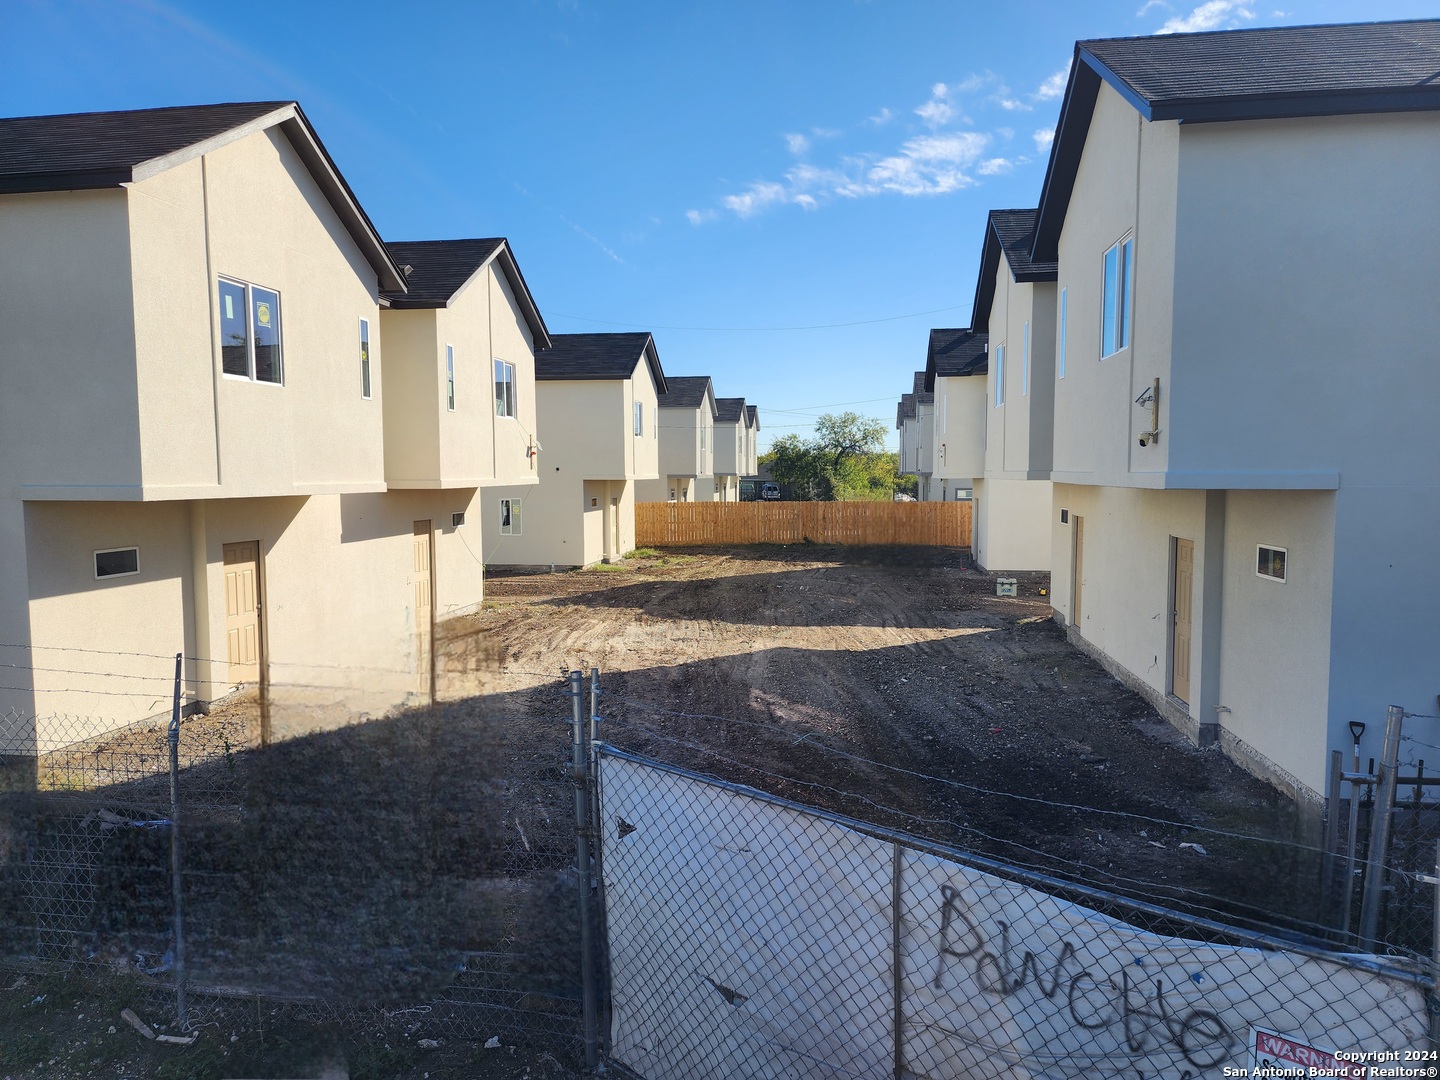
pixel 1270 562
pixel 117 562
pixel 1064 516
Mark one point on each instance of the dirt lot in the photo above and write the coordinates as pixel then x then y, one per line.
pixel 406 877
pixel 844 668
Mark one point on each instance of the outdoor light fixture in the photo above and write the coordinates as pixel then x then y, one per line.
pixel 1357 728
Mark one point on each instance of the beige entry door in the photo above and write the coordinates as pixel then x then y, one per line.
pixel 423 603
pixel 1077 569
pixel 1181 617
pixel 242 611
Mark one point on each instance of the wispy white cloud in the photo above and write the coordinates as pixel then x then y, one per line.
pixel 759 195
pixel 1151 4
pixel 881 118
pixel 1006 133
pixel 1043 138
pixel 1212 15
pixel 699 217
pixel 796 144
pixel 937 112
pixel 997 165
pixel 1054 86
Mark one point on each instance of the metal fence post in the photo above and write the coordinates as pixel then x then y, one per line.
pixel 600 941
pixel 1380 830
pixel 178 964
pixel 1328 892
pixel 1434 1003
pixel 581 765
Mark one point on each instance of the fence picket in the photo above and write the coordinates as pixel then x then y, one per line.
pixel 688 524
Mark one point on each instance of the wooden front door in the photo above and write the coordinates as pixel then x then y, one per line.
pixel 423 604
pixel 242 611
pixel 1181 616
pixel 1077 569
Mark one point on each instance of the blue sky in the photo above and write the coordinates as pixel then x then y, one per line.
pixel 712 172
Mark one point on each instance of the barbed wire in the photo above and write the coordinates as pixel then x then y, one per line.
pixel 975 788
pixel 1048 859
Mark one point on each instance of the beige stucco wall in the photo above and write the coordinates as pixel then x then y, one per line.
pixel 337 597
pixel 687 440
pixel 251 211
pixel 1010 530
pixel 1125 186
pixel 1275 642
pixel 960 428
pixel 67 338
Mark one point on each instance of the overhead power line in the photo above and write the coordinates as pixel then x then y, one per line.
pixel 751 329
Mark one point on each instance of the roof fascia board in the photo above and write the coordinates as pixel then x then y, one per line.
pixel 1136 101
pixel 1212 110
pixel 1069 142
pixel 657 374
pixel 518 287
pixel 985 283
pixel 64 181
pixel 154 166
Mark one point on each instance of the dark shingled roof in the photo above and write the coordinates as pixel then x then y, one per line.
pixel 1010 231
pixel 83 151
pixel 955 353
pixel 438 269
pixel 685 392
pixel 1264 73
pixel 752 416
pixel 101 149
pixel 922 396
pixel 597 357
pixel 906 410
pixel 730 410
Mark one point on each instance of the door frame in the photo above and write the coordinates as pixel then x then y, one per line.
pixel 1077 565
pixel 262 633
pixel 430 539
pixel 1174 612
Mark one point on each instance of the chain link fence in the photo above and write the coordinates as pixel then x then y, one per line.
pixel 412 870
pixel 751 936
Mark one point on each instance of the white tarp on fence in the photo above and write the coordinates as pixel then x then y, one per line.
pixel 750 938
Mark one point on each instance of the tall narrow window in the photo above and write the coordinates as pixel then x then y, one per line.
pixel 999 375
pixel 365 358
pixel 1025 364
pixel 639 411
pixel 702 438
pixel 1115 315
pixel 1060 367
pixel 504 388
pixel 250 332
pixel 509 517
pixel 450 376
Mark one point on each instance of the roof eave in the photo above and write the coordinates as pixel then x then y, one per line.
pixel 65 181
pixel 1076 109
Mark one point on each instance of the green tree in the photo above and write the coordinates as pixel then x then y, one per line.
pixel 845 461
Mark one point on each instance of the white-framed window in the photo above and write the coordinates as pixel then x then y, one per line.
pixel 250 332
pixel 1270 561
pixel 504 388
pixel 1025 364
pixel 1115 313
pixel 117 562
pixel 1060 364
pixel 365 358
pixel 999 375
pixel 457 519
pixel 702 438
pixel 510 517
pixel 639 411
pixel 450 377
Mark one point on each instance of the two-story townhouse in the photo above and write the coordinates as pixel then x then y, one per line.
pixel 1247 482
pixel 732 454
pixel 460 401
pixel 922 435
pixel 192 423
pixel 598 438
pixel 752 441
pixel 905 425
pixel 956 363
pixel 1015 308
pixel 687 443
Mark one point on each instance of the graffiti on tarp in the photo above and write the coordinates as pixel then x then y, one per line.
pixel 1090 1001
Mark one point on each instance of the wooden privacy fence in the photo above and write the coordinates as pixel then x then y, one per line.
pixel 928 524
